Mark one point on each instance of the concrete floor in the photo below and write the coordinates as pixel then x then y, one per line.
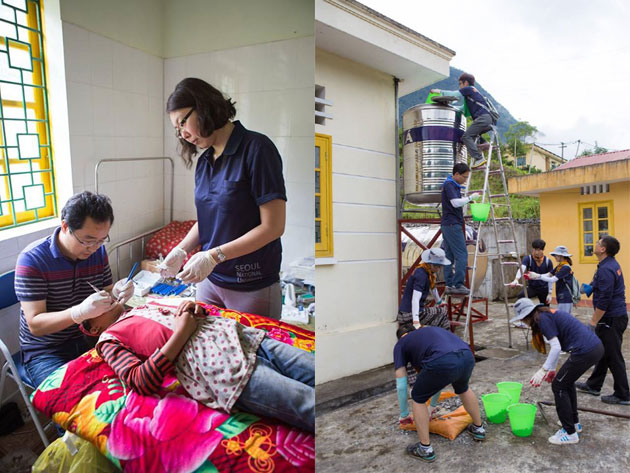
pixel 364 436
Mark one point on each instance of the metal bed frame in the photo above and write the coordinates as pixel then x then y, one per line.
pixel 115 247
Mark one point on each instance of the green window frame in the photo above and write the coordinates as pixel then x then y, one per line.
pixel 27 179
pixel 596 220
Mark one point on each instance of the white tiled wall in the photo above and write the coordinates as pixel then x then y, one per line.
pixel 272 84
pixel 115 107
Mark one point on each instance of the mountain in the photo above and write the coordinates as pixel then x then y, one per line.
pixel 451 83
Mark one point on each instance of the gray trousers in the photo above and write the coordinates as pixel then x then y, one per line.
pixel 266 301
pixel 479 126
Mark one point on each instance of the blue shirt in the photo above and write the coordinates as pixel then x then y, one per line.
pixel 451 215
pixel 609 290
pixel 424 345
pixel 563 293
pixel 419 281
pixel 545 267
pixel 42 272
pixel 475 109
pixel 574 336
pixel 228 194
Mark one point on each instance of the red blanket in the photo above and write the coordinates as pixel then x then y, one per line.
pixel 170 432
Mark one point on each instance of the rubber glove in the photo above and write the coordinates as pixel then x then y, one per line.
pixel 549 377
pixel 475 196
pixel 548 299
pixel 537 379
pixel 198 267
pixel 514 283
pixel 172 263
pixel 93 306
pixel 123 290
pixel 531 275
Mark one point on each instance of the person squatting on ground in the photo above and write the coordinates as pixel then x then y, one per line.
pixel 561 275
pixel 609 321
pixel 564 333
pixel 535 262
pixel 220 362
pixel 478 108
pixel 443 359
pixel 452 226
pixel 412 307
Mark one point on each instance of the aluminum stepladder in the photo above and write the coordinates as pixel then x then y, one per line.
pixel 495 200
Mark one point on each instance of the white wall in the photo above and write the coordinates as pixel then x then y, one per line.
pixel 272 84
pixel 356 296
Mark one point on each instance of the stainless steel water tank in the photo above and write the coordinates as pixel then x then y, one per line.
pixel 431 147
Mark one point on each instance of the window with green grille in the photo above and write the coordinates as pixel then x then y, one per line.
pixel 27 189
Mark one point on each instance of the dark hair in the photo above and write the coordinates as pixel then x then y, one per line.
pixel 465 77
pixel 213 110
pixel 460 168
pixel 85 204
pixel 538 341
pixel 538 244
pixel 611 244
pixel 403 329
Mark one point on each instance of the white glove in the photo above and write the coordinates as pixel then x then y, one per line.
pixel 515 283
pixel 475 196
pixel 173 262
pixel 548 299
pixel 123 290
pixel 198 267
pixel 537 379
pixel 532 275
pixel 93 306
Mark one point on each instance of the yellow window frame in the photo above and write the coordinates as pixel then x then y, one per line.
pixel 594 221
pixel 10 216
pixel 323 196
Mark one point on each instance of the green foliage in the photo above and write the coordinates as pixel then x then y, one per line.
pixel 596 150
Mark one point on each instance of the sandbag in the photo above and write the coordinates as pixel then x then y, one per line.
pixel 448 425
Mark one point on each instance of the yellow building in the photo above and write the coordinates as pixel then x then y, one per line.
pixel 580 201
pixel 539 158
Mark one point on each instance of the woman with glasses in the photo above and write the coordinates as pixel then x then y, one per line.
pixel 63 280
pixel 241 204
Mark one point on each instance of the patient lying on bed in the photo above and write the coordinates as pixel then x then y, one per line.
pixel 220 362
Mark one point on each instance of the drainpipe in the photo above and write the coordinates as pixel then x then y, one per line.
pixel 396 148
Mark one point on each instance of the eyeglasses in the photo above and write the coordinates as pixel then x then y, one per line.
pixel 182 122
pixel 92 243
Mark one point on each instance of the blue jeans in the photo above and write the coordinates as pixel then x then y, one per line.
pixel 282 385
pixel 456 252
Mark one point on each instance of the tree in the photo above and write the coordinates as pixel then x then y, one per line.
pixel 596 150
pixel 516 137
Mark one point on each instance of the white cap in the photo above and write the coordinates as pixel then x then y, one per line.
pixel 435 256
pixel 522 308
pixel 561 251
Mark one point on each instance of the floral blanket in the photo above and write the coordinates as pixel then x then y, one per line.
pixel 170 432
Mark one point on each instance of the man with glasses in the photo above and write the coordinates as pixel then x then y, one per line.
pixel 53 281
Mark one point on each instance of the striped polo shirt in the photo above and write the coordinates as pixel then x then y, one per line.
pixel 42 272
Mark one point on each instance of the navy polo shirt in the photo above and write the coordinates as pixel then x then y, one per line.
pixel 574 336
pixel 563 293
pixel 424 345
pixel 609 289
pixel 42 272
pixel 419 281
pixel 545 267
pixel 451 215
pixel 228 194
pixel 475 110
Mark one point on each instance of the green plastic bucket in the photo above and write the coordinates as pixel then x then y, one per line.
pixel 522 419
pixel 512 389
pixel 496 405
pixel 480 212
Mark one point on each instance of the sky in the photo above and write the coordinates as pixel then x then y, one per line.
pixel 561 65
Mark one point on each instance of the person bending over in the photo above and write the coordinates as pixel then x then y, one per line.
pixel 220 362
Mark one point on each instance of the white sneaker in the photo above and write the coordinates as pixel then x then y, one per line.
pixel 562 438
pixel 578 427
